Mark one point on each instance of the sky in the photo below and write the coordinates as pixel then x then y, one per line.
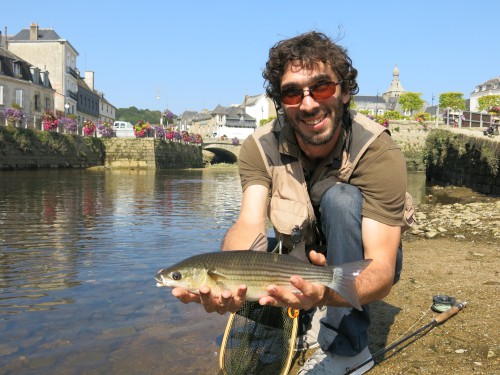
pixel 194 55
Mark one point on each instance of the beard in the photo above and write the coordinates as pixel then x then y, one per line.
pixel 335 112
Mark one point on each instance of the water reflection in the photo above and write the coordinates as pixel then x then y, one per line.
pixel 78 251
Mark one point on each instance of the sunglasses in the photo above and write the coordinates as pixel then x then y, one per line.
pixel 318 92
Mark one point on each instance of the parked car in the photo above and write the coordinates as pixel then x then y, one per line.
pixel 123 129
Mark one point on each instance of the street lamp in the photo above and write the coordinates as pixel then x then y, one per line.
pixel 67 108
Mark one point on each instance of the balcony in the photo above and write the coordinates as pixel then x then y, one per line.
pixel 74 72
pixel 72 95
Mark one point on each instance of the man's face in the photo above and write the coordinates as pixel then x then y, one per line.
pixel 313 121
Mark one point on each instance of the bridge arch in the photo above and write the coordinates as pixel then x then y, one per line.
pixel 223 152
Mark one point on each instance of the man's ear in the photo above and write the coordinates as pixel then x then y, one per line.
pixel 346 97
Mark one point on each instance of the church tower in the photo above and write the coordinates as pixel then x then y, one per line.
pixel 395 89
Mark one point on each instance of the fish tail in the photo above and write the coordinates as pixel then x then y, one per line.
pixel 344 281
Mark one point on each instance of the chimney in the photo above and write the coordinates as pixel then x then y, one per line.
pixel 89 79
pixel 34 31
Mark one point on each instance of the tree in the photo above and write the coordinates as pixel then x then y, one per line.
pixel 488 101
pixel 411 101
pixel 453 100
pixel 133 115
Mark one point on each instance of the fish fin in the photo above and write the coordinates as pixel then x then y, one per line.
pixel 216 276
pixel 299 252
pixel 218 279
pixel 344 281
pixel 260 243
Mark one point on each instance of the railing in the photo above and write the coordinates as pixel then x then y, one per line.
pixel 74 72
pixel 72 95
pixel 36 122
pixel 476 119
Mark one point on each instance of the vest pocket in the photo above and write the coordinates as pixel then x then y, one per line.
pixel 286 214
pixel 289 205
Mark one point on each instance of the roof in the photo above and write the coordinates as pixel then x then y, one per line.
pixel 369 98
pixel 43 34
pixel 251 100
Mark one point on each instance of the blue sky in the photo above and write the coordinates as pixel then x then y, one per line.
pixel 192 55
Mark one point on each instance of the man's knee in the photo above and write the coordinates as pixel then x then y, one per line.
pixel 342 198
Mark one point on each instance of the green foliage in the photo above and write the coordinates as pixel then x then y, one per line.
pixel 453 100
pixel 490 157
pixel 488 101
pixel 22 138
pixel 411 101
pixel 266 120
pixel 133 115
pixel 55 142
pixel 393 115
pixel 440 143
pixel 424 116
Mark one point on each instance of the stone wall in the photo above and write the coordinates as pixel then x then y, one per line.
pixel 32 149
pixel 464 159
pixel 150 153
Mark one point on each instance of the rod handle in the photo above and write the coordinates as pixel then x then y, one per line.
pixel 444 316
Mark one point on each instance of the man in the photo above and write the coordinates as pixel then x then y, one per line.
pixel 324 177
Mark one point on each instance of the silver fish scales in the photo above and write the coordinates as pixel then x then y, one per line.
pixel 227 270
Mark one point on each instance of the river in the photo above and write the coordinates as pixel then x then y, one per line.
pixel 78 252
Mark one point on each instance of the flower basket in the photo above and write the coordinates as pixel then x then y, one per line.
pixel 69 124
pixel 50 121
pixel 13 115
pixel 141 129
pixel 105 130
pixel 88 128
pixel 160 132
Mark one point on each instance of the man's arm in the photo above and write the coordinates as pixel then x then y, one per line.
pixel 251 222
pixel 380 241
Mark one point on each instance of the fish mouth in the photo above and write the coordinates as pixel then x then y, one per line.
pixel 159 279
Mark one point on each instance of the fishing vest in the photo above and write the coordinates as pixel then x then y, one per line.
pixel 291 206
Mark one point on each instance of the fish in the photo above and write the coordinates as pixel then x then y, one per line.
pixel 226 270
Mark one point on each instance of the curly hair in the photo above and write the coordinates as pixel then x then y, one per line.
pixel 308 49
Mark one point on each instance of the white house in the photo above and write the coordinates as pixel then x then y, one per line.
pixel 490 87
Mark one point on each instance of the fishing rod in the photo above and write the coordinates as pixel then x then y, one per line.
pixel 439 319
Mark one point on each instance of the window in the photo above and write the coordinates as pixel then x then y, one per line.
pixel 37 102
pixel 47 103
pixel 17 69
pixel 1 95
pixel 19 98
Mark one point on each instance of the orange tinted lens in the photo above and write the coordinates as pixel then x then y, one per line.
pixel 291 97
pixel 323 90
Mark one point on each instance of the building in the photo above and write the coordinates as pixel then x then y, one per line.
pixel 490 87
pixel 26 86
pixel 107 111
pixel 75 95
pixel 88 103
pixel 185 120
pixel 45 49
pixel 260 107
pixel 388 101
pixel 231 122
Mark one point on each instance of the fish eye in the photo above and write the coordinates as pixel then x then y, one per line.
pixel 176 275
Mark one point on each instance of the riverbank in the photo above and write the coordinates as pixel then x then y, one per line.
pixel 453 250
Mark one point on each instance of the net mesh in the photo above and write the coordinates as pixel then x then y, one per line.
pixel 258 340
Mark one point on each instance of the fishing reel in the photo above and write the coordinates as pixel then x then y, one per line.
pixel 442 303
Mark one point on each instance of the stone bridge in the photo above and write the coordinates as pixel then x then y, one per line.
pixel 224 151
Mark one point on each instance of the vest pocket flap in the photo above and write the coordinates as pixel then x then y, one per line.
pixel 287 214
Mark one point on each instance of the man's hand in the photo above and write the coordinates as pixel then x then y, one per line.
pixel 311 294
pixel 226 302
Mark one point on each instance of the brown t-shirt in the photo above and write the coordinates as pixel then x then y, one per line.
pixel 380 175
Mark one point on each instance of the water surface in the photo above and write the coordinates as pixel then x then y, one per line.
pixel 78 252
